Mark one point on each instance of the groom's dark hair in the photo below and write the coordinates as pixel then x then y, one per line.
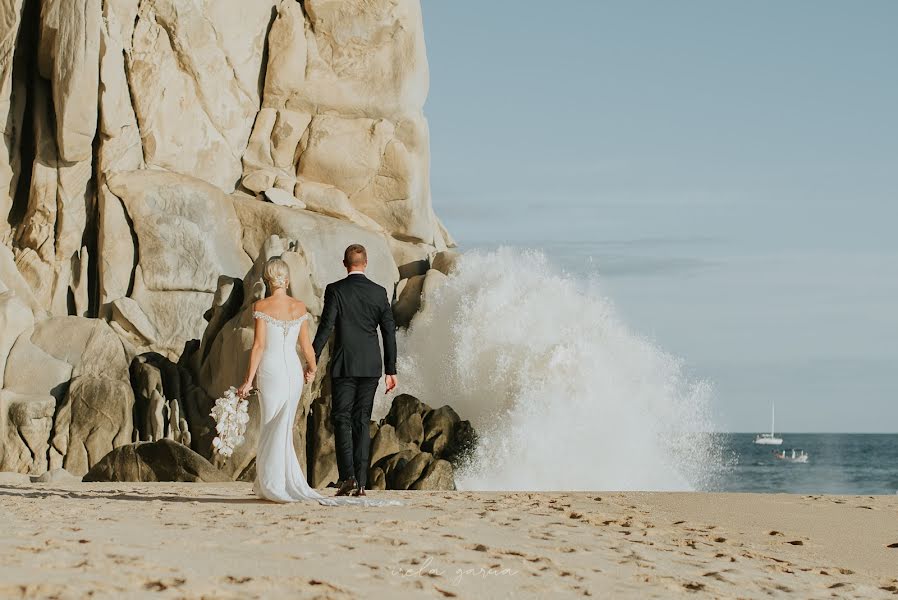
pixel 355 256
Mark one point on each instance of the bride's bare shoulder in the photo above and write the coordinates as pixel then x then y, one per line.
pixel 299 308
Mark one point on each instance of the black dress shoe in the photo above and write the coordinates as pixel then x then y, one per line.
pixel 359 491
pixel 346 486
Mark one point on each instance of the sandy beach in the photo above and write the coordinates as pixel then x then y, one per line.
pixel 217 541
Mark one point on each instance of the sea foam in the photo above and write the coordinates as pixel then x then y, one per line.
pixel 564 395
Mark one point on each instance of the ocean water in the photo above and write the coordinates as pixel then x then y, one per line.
pixel 565 396
pixel 839 463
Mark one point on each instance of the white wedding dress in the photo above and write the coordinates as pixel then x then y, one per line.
pixel 279 379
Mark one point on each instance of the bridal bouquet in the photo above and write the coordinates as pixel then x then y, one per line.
pixel 231 418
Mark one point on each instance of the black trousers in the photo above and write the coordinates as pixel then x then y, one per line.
pixel 353 401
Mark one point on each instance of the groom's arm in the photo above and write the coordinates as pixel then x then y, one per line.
pixel 328 319
pixel 388 332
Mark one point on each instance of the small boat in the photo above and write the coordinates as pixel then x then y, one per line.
pixel 796 455
pixel 769 439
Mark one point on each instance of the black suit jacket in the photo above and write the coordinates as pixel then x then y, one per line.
pixel 357 306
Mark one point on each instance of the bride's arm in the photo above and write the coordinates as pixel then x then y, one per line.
pixel 308 351
pixel 255 356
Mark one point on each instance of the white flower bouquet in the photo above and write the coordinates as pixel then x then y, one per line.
pixel 231 417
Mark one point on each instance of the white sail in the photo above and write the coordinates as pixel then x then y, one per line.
pixel 770 439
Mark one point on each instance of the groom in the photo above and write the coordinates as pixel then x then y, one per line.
pixel 357 307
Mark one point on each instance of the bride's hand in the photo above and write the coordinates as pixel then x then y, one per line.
pixel 244 390
pixel 310 375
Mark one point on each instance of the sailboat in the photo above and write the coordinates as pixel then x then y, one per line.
pixel 770 439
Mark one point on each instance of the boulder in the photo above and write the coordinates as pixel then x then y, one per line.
pixel 446 436
pixel 404 475
pixel 390 463
pixel 433 281
pixel 164 460
pixel 95 418
pixel 438 475
pixel 385 443
pixel 445 261
pixel 376 479
pixel 402 408
pixel 411 430
pixel 409 301
pixel 95 404
pixel 81 364
pixel 169 405
pixel 25 425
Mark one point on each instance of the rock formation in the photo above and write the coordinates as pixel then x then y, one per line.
pixel 164 460
pixel 154 154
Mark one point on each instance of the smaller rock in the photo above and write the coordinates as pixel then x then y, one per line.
pixel 56 476
pixel 439 426
pixel 385 443
pixel 437 476
pixel 402 408
pixel 415 267
pixel 402 478
pixel 409 301
pixel 411 430
pixel 376 479
pixel 390 463
pixel 164 460
pixel 446 436
pixel 248 474
pixel 445 261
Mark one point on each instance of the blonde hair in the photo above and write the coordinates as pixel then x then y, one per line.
pixel 276 273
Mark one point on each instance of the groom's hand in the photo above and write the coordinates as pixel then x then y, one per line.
pixel 391 383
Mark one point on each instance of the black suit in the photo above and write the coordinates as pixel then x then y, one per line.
pixel 356 307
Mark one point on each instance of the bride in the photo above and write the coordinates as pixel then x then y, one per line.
pixel 281 322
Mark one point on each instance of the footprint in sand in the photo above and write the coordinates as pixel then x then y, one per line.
pixel 162 585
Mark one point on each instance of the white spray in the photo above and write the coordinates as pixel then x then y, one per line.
pixel 562 394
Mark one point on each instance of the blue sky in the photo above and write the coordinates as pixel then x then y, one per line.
pixel 728 169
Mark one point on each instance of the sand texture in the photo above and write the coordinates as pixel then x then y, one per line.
pixel 216 541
